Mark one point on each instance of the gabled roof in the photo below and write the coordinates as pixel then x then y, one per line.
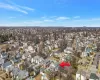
pixel 15 60
pixel 64 64
pixel 18 55
pixel 1 61
pixel 6 64
pixel 4 55
pixel 22 74
pixel 94 76
pixel 30 78
pixel 15 71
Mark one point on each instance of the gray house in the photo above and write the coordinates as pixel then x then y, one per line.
pixel 4 55
pixel 93 76
pixel 6 66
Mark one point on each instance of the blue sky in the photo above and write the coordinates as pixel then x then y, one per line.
pixel 50 13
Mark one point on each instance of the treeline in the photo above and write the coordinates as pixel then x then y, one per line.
pixel 5 37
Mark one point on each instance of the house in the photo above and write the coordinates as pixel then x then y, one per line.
pixel 93 76
pixel 18 55
pixel 46 63
pixel 24 44
pixel 64 64
pixel 33 70
pixel 48 42
pixel 87 52
pixel 25 55
pixel 14 60
pixel 68 57
pixel 80 75
pixel 43 77
pixel 4 55
pixel 6 66
pixel 21 66
pixel 84 54
pixel 55 45
pixel 30 49
pixel 22 74
pixel 50 48
pixel 27 64
pixel 14 72
pixel 19 74
pixel 1 61
pixel 68 50
pixel 37 59
pixel 30 78
pixel 11 68
pixel 93 68
pixel 53 66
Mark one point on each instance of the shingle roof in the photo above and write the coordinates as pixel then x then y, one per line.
pixel 93 76
pixel 15 71
pixel 22 74
pixel 6 64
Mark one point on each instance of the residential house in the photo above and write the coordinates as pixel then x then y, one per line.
pixel 6 66
pixel 24 44
pixel 93 76
pixel 25 55
pixel 46 63
pixel 68 50
pixel 87 52
pixel 1 61
pixel 53 66
pixel 80 75
pixel 14 72
pixel 33 70
pixel 22 74
pixel 30 78
pixel 15 60
pixel 19 74
pixel 30 49
pixel 4 55
pixel 43 77
pixel 37 60
pixel 18 55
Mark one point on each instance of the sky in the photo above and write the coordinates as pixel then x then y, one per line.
pixel 67 13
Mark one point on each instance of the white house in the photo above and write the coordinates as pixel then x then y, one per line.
pixel 80 75
pixel 55 45
pixel 37 59
pixel 68 50
pixel 84 54
pixel 43 77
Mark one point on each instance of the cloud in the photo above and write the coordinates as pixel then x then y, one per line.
pixel 15 7
pixel 26 8
pixel 48 17
pixel 77 17
pixel 47 20
pixel 33 22
pixel 95 19
pixel 62 18
pixel 88 20
pixel 53 16
pixel 43 17
pixel 12 17
pixel 12 7
pixel 23 7
pixel 38 21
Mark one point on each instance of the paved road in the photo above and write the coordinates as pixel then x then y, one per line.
pixel 96 59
